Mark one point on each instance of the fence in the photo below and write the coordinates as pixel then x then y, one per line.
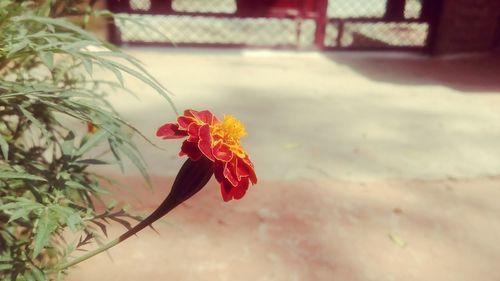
pixel 293 24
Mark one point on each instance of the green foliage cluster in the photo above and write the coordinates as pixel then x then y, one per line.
pixel 46 188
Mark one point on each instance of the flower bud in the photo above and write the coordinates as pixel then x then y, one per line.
pixel 190 179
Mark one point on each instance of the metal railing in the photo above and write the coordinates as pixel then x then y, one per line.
pixel 293 24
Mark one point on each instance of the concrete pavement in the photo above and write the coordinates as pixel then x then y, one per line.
pixel 371 167
pixel 352 116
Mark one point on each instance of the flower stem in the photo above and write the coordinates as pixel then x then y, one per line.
pixel 190 179
pixel 90 254
pixel 168 204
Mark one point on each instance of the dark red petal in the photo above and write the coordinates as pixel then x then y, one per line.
pixel 193 132
pixel 205 141
pixel 191 150
pixel 219 171
pixel 251 170
pixel 229 192
pixel 226 190
pixel 170 131
pixel 240 189
pixel 230 173
pixel 241 169
pixel 189 112
pixel 185 121
pixel 222 152
pixel 205 116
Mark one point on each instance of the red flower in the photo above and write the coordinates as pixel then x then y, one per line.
pixel 220 143
pixel 91 128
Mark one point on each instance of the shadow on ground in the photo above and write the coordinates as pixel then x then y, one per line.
pixel 468 74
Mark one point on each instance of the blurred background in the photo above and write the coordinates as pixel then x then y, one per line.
pixel 374 126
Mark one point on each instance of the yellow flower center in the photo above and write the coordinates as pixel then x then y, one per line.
pixel 230 131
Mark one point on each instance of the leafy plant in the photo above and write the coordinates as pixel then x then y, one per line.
pixel 46 187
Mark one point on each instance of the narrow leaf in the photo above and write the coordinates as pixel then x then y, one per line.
pixel 92 141
pixel 68 144
pixel 47 59
pixel 21 213
pixel 87 63
pixel 19 175
pixel 17 47
pixel 28 276
pixel 32 119
pixel 5 266
pixel 38 274
pixel 4 146
pixel 92 162
pixel 44 228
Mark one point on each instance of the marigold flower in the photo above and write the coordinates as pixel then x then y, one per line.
pixel 213 148
pixel 220 143
pixel 91 128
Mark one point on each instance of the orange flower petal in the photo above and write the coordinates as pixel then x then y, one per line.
pixel 185 121
pixel 205 141
pixel 222 152
pixel 193 131
pixel 204 116
pixel 189 112
pixel 230 173
pixel 241 169
pixel 170 131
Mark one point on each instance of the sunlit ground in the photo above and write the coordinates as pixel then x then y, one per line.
pixel 371 167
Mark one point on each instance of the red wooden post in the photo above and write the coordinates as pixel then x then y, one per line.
pixel 321 21
pixel 395 10
pixel 161 7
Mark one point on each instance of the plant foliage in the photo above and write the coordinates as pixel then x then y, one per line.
pixel 46 188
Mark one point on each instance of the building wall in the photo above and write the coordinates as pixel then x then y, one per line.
pixel 468 26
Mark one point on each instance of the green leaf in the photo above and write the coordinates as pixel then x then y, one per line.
pixel 113 146
pixel 111 204
pixel 45 225
pixel 87 63
pixel 32 119
pixel 92 141
pixel 22 212
pixel 47 59
pixel 73 221
pixel 57 22
pixel 72 218
pixel 5 266
pixel 137 161
pixel 68 145
pixel 38 274
pixel 92 162
pixel 17 47
pixel 28 276
pixel 75 185
pixel 19 175
pixel 146 78
pixel 4 146
pixel 21 203
pixel 116 72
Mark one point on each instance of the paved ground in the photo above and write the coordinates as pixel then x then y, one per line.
pixel 372 167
